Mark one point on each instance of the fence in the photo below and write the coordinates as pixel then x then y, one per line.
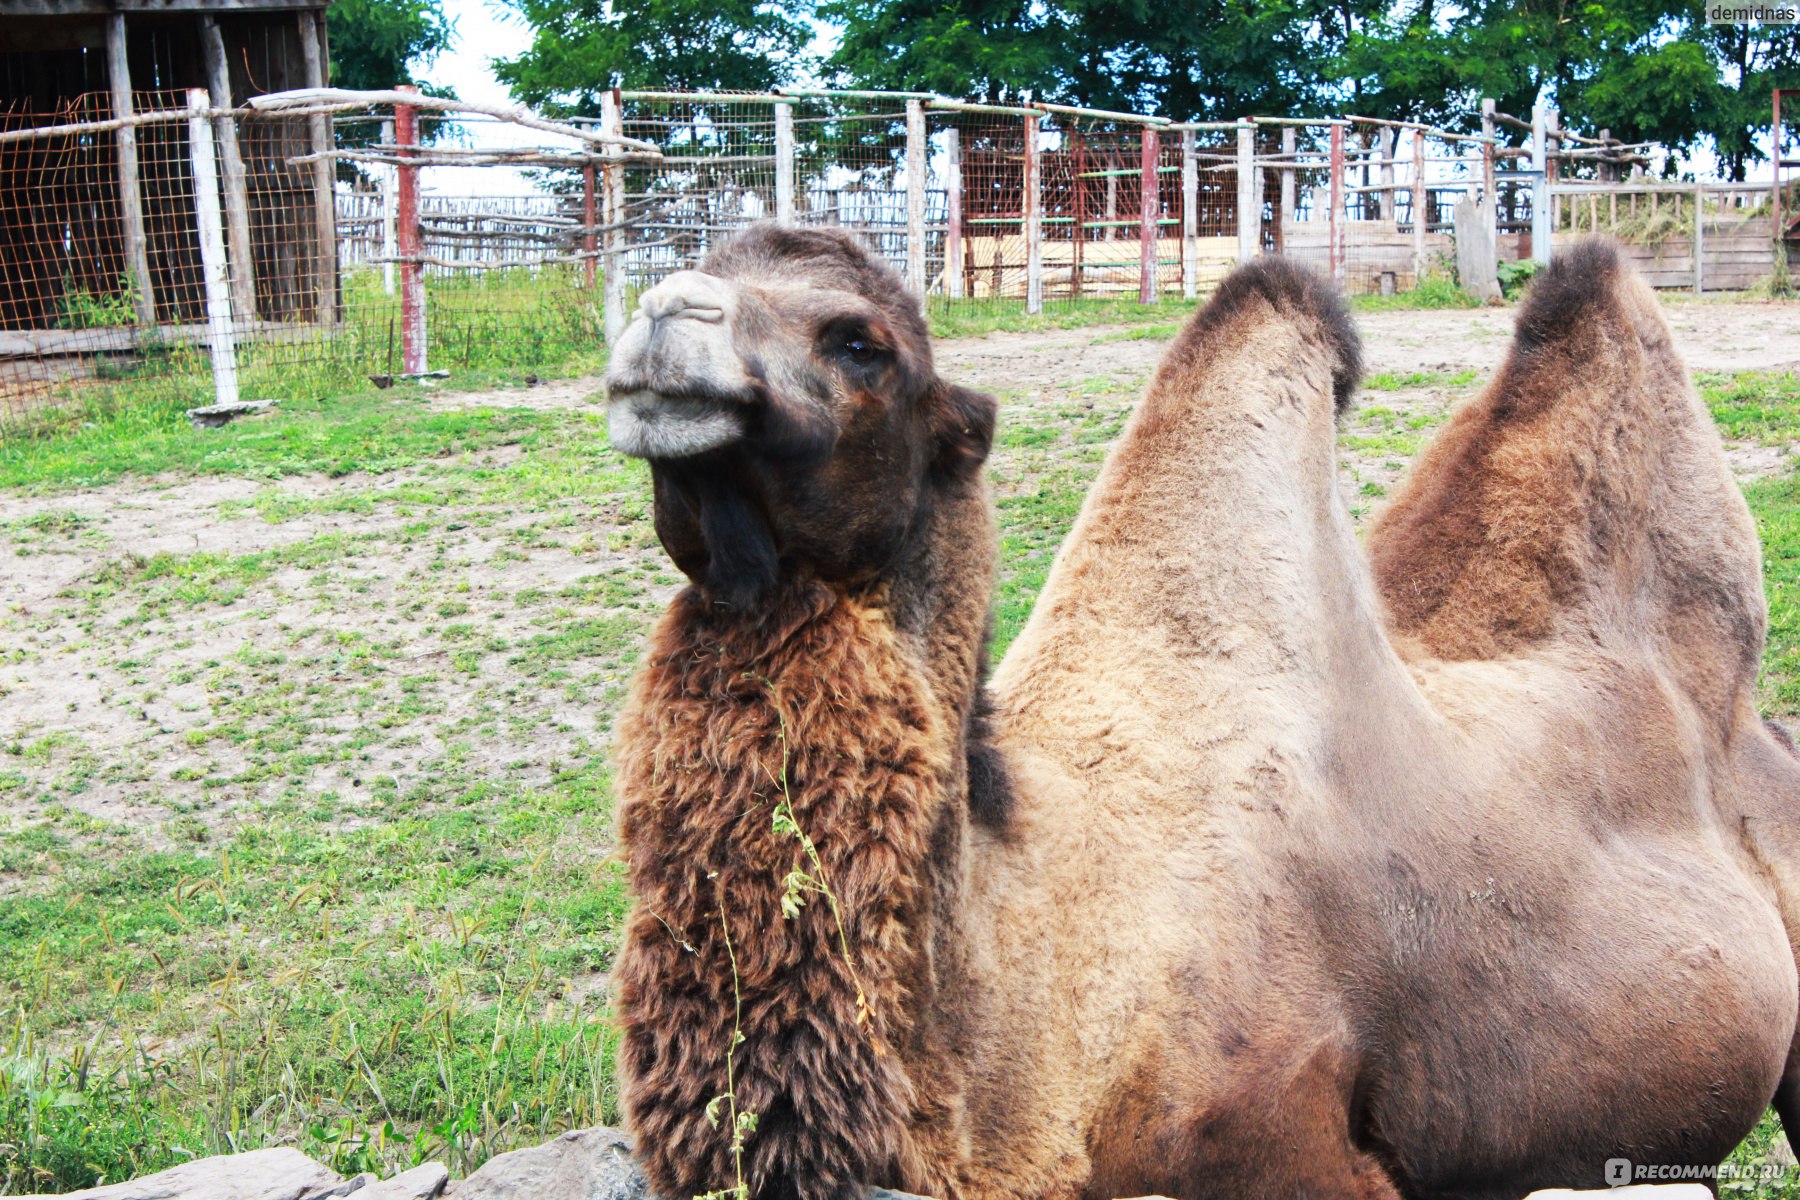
pixel 180 248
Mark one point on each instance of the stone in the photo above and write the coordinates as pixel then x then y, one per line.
pixel 211 416
pixel 1635 1191
pixel 583 1164
pixel 280 1173
pixel 420 1183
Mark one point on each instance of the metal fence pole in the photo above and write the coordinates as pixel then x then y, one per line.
pixel 131 203
pixel 915 198
pixel 1034 227
pixel 1335 229
pixel 410 243
pixel 784 163
pixel 1149 209
pixel 953 216
pixel 1190 213
pixel 1249 212
pixel 1540 186
pixel 612 120
pixel 219 334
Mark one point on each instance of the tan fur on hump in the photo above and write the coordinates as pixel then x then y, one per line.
pixel 1582 491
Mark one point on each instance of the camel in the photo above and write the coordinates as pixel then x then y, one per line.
pixel 1262 866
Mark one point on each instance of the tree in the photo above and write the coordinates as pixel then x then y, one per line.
pixel 581 47
pixel 1215 61
pixel 378 44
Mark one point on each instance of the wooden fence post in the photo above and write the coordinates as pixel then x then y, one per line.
pixel 131 203
pixel 1034 225
pixel 1421 205
pixel 1700 233
pixel 953 216
pixel 219 335
pixel 1149 210
pixel 409 242
pixel 1249 212
pixel 1540 185
pixel 784 163
pixel 231 160
pixel 590 217
pixel 1190 214
pixel 1387 145
pixel 1336 228
pixel 1490 153
pixel 390 182
pixel 612 120
pixel 916 182
pixel 1290 143
pixel 318 70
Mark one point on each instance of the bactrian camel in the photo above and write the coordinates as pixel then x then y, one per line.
pixel 1263 867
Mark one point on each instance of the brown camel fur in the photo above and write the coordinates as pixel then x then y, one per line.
pixel 1261 874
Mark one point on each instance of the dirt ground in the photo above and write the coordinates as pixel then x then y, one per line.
pixel 384 642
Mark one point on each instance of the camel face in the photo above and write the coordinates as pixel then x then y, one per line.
pixel 784 397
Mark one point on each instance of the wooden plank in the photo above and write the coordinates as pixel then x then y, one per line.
pixel 1190 215
pixel 316 55
pixel 131 202
pixel 231 162
pixel 101 8
pixel 953 215
pixel 75 343
pixel 915 197
pixel 1034 227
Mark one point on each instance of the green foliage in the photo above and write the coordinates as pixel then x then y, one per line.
pixel 580 48
pixel 377 44
pixel 1433 291
pixel 79 308
pixel 1516 275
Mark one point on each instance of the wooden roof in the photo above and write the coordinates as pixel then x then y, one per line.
pixel 90 8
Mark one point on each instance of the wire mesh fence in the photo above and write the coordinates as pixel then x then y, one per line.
pixel 344 260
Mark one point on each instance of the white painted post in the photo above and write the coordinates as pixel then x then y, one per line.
pixel 219 335
pixel 1540 186
pixel 1034 224
pixel 612 120
pixel 1249 212
pixel 388 177
pixel 1190 217
pixel 953 216
pixel 784 163
pixel 915 197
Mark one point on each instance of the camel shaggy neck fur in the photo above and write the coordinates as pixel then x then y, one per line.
pixel 1453 869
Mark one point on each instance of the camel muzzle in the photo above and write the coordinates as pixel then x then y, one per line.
pixel 675 386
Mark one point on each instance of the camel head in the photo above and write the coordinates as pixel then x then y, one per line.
pixel 785 399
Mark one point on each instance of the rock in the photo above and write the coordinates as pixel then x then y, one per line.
pixel 1636 1191
pixel 277 1174
pixel 584 1164
pixel 420 1183
pixel 212 416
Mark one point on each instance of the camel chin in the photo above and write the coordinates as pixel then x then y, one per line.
pixel 650 425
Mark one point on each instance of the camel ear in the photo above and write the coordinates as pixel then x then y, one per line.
pixel 962 429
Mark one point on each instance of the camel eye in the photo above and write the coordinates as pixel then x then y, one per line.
pixel 859 350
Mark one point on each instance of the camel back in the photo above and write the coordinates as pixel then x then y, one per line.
pixel 1583 496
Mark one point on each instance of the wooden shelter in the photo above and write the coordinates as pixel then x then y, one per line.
pixel 97 230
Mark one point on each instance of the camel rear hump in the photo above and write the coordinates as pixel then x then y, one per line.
pixel 1583 496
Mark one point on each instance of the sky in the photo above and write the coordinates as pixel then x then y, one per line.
pixel 485 30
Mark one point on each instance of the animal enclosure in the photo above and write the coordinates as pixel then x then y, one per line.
pixel 339 261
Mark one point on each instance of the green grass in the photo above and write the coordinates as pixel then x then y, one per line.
pixel 374 917
pixel 1434 291
pixel 973 318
